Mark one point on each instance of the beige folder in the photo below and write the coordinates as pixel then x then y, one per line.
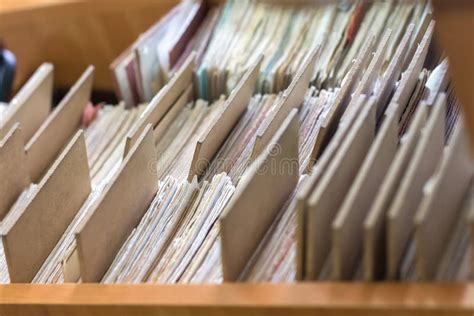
pixel 59 127
pixel 215 135
pixel 260 194
pixel 333 186
pixel 308 186
pixel 347 227
pixel 171 115
pixel 293 98
pixel 31 232
pixel 31 105
pixel 392 73
pixel 401 213
pixel 410 76
pixel 374 223
pixel 443 196
pixel 162 101
pixel 118 209
pixel 311 182
pixel 14 174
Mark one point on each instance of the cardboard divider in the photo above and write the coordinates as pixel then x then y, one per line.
pixel 443 198
pixel 369 78
pixel 313 179
pixel 328 195
pixel 410 76
pixel 347 227
pixel 118 210
pixel 31 105
pixel 14 174
pixel 168 119
pixel 30 233
pixel 260 194
pixel 162 101
pixel 374 223
pixel 293 98
pixel 235 105
pixel 346 122
pixel 418 36
pixel 333 116
pixel 400 217
pixel 59 127
pixel 391 75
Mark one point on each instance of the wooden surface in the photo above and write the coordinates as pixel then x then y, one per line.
pixel 96 32
pixel 326 299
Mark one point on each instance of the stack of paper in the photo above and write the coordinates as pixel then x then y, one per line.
pixel 338 161
pixel 367 210
pixel 177 227
pixel 19 204
pixel 178 141
pixel 286 34
pixel 105 140
pixel 105 146
pixel 233 156
pixel 147 241
pixel 146 66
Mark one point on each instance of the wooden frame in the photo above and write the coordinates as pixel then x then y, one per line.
pixel 323 299
pixel 230 299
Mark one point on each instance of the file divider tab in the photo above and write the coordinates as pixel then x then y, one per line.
pixel 235 105
pixel 401 214
pixel 118 210
pixel 172 113
pixel 392 73
pixel 364 86
pixel 347 227
pixel 259 196
pixel 442 202
pixel 336 111
pixel 162 101
pixel 59 127
pixel 293 98
pixel 31 232
pixel 14 174
pixel 311 182
pixel 374 223
pixel 31 105
pixel 368 81
pixel 417 38
pixel 326 198
pixel 410 76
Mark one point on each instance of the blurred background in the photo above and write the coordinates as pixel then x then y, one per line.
pixel 73 34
